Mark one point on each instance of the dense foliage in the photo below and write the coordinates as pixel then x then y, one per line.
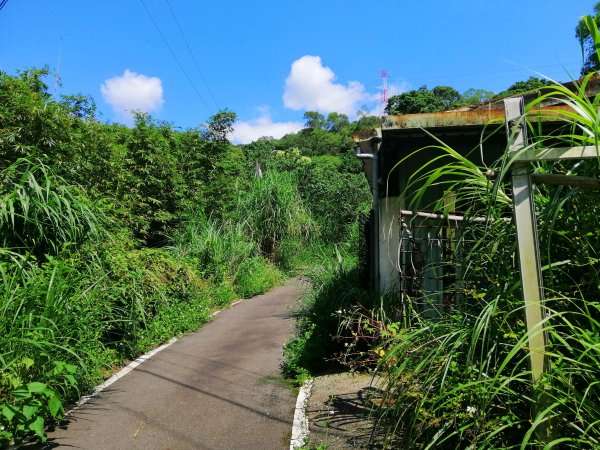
pixel 423 100
pixel 462 379
pixel 456 372
pixel 591 63
pixel 116 239
pixel 522 87
pixel 443 98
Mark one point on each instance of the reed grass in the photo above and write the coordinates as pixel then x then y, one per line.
pixel 40 212
pixel 272 211
pixel 463 379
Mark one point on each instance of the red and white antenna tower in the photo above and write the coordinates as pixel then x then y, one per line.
pixel 384 90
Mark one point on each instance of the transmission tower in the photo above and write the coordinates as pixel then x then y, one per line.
pixel 384 90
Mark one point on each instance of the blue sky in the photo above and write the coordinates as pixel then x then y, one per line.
pixel 270 61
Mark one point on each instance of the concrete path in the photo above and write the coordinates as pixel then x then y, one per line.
pixel 214 389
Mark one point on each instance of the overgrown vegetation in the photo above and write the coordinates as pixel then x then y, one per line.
pixel 443 98
pixel 116 239
pixel 462 380
pixel 458 376
pixel 588 48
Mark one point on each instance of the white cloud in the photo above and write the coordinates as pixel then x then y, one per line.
pixel 312 86
pixel 132 91
pixel 395 89
pixel 250 130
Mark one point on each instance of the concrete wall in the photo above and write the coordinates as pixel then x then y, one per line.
pixel 389 244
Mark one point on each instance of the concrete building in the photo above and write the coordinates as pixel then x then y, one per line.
pixel 409 238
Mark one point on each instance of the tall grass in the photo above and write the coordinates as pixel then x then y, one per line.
pixel 272 211
pixel 463 380
pixel 216 249
pixel 334 291
pixel 40 212
pixel 76 299
pixel 224 253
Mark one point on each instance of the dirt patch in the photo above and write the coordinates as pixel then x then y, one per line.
pixel 338 411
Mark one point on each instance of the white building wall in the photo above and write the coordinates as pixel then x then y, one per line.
pixel 389 244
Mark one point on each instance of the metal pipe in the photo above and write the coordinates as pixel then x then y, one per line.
pixel 455 217
pixel 375 242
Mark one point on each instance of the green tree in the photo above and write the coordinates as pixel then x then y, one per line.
pixel 322 182
pixel 30 121
pixel 317 141
pixel 521 87
pixel 582 33
pixel 80 106
pixel 365 122
pixel 423 100
pixel 156 186
pixel 473 95
pixel 314 120
pixel 221 166
pixel 193 164
pixel 220 126
pixel 336 122
pixel 64 135
pixel 259 151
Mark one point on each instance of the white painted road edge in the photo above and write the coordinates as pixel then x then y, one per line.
pixel 120 374
pixel 128 368
pixel 300 425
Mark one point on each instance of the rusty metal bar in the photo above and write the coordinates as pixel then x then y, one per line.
pixel 568 180
pixel 537 154
pixel 454 217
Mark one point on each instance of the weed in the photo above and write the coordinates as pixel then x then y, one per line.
pixel 309 445
pixel 462 380
pixel 273 211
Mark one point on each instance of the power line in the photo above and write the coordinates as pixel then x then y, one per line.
pixel 3 4
pixel 192 54
pixel 175 56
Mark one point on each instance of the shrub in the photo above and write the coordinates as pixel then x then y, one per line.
pixel 272 211
pixel 315 346
pixel 216 250
pixel 334 197
pixel 255 276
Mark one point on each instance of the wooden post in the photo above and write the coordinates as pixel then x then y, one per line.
pixel 529 255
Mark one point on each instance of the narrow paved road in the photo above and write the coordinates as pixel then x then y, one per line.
pixel 213 389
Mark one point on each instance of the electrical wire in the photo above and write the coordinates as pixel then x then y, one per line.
pixel 175 56
pixel 3 4
pixel 192 54
pixel 335 102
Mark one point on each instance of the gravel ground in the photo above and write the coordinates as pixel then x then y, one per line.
pixel 338 411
